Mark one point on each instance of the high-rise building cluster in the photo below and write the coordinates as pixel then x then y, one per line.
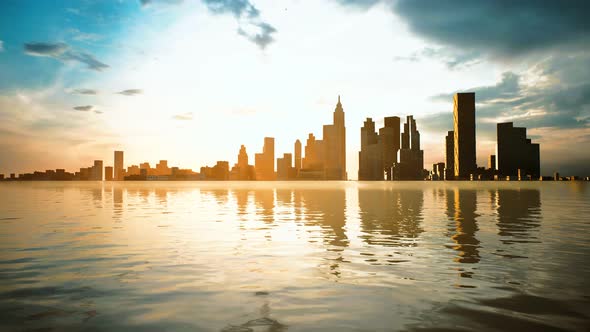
pixel 386 154
pixel 516 156
pixel 383 158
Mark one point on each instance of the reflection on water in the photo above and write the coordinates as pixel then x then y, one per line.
pixel 461 207
pixel 391 218
pixel 294 256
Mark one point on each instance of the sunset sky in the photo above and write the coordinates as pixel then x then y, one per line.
pixel 190 81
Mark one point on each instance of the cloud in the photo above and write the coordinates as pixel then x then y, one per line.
pixel 250 25
pixel 508 87
pixel 467 30
pixel 248 16
pixel 263 37
pixel 452 58
pixel 145 3
pixel 358 4
pixel 84 36
pixel 63 52
pixel 85 108
pixel 184 117
pixel 130 92
pixel 557 95
pixel 82 91
pixel 46 49
pixel 504 28
pixel 98 111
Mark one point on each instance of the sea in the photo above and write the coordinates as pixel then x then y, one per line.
pixel 294 256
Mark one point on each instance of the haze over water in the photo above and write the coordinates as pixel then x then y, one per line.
pixel 294 256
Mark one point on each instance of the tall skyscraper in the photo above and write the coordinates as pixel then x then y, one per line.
pixel 389 137
pixel 119 166
pixel 464 132
pixel 370 158
pixel 411 158
pixel 379 151
pixel 264 162
pixel 97 170
pixel 108 173
pixel 242 170
pixel 515 151
pixel 297 156
pixel 326 158
pixel 335 146
pixel 492 162
pixel 285 170
pixel 450 156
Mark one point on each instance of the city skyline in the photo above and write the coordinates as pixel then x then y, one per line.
pixel 81 80
pixel 387 154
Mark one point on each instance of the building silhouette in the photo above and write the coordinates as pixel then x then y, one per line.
pixel 450 155
pixel 264 162
pixel 285 170
pixel 219 172
pixel 326 159
pixel 379 151
pixel 410 165
pixel 108 173
pixel 97 170
pixel 335 146
pixel 242 170
pixel 516 152
pixel 464 132
pixel 370 159
pixel 389 137
pixel 298 159
pixel 492 162
pixel 119 170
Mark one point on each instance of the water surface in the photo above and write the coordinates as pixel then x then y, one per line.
pixel 294 256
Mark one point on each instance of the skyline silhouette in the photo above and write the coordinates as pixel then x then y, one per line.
pixel 82 80
pixel 389 155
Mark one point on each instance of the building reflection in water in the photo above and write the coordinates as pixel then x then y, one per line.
pixel 461 211
pixel 519 212
pixel 391 217
pixel 265 203
pixel 117 193
pixel 241 197
pixel 97 196
pixel 326 209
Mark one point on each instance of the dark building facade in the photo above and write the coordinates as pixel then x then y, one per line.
pixel 450 156
pixel 515 151
pixel 411 158
pixel 379 152
pixel 464 135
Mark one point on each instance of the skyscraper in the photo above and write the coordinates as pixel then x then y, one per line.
pixel 285 170
pixel 264 162
pixel 370 159
pixel 335 146
pixel 108 173
pixel 450 155
pixel 97 170
pixel 492 162
pixel 326 158
pixel 411 158
pixel 516 152
pixel 119 166
pixel 297 156
pixel 242 170
pixel 464 131
pixel 389 137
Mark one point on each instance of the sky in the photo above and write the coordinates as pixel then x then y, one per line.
pixel 190 81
